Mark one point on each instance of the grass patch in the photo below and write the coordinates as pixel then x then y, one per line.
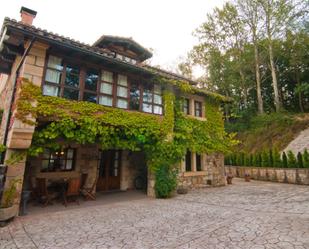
pixel 267 131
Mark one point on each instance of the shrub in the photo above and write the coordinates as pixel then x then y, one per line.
pixel 251 160
pixel 306 159
pixel 284 160
pixel 300 160
pixel 292 163
pixel 265 159
pixel 247 160
pixel 276 158
pixel 258 160
pixel 166 181
pixel 270 158
pixel 239 159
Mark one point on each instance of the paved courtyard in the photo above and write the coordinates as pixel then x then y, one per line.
pixel 243 215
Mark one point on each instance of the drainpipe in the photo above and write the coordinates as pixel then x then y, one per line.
pixel 6 131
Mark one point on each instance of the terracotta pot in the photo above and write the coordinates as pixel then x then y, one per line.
pixel 247 178
pixel 229 180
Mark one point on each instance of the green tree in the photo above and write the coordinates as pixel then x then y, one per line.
pixel 300 160
pixel 306 158
pixel 265 159
pixel 284 160
pixel 292 162
pixel 276 158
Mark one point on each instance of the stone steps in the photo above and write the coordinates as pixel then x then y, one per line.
pixel 300 143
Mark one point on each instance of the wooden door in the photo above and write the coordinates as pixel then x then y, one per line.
pixel 109 170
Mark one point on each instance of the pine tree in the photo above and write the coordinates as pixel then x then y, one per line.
pixel 306 159
pixel 300 160
pixel 276 158
pixel 284 160
pixel 265 159
pixel 292 163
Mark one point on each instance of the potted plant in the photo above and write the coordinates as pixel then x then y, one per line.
pixel 182 190
pixel 247 177
pixel 7 209
pixel 229 178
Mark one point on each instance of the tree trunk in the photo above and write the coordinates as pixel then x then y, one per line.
pixel 242 76
pixel 271 58
pixel 258 79
pixel 300 97
pixel 274 77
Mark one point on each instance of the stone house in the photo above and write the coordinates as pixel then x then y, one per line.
pixel 112 72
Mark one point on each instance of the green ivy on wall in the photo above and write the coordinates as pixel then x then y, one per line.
pixel 164 139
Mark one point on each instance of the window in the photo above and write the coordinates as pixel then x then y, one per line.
pixel 198 162
pixel 54 85
pixel 134 97
pixel 188 161
pixel 62 160
pixel 53 76
pixel 91 82
pixel 152 99
pixel 197 109
pixel 106 88
pixel 122 92
pixel 186 106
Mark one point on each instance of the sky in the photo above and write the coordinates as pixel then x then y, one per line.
pixel 165 26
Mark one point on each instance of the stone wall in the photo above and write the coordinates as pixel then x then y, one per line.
pixel 291 175
pixel 212 173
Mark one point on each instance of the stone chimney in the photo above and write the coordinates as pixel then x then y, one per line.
pixel 27 15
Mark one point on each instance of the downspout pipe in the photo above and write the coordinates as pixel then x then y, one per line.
pixel 6 131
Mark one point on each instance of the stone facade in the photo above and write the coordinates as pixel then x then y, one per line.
pixel 294 176
pixel 212 173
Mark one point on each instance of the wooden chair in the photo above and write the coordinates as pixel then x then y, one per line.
pixel 88 192
pixel 73 191
pixel 41 192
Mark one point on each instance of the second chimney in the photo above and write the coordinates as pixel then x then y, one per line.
pixel 27 15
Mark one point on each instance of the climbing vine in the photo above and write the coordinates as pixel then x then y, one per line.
pixel 164 139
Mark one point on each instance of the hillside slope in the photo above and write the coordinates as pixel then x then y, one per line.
pixel 272 131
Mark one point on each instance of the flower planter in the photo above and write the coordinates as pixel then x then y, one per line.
pixel 229 180
pixel 182 190
pixel 8 213
pixel 247 178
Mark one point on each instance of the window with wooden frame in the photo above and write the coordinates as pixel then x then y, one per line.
pixel 122 92
pixel 61 79
pixel 188 161
pixel 197 109
pixel 134 103
pixel 152 99
pixel 106 88
pixel 198 162
pixel 61 160
pixel 186 106
pixel 91 85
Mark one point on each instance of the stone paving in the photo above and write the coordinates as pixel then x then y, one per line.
pixel 254 215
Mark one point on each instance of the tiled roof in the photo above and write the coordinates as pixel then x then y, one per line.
pixel 104 53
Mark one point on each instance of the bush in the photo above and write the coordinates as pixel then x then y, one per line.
pixel 284 160
pixel 300 160
pixel 270 158
pixel 306 159
pixel 247 161
pixel 276 158
pixel 265 159
pixel 166 181
pixel 240 159
pixel 292 163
